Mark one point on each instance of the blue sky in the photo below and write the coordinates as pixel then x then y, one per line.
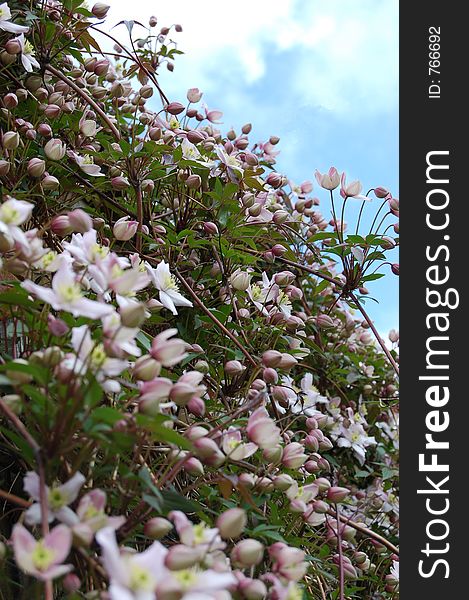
pixel 320 74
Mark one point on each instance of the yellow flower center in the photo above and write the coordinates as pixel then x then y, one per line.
pixel 69 292
pixel 56 499
pixel 141 579
pixel 98 251
pixel 199 533
pixel 256 292
pixel 169 283
pixel 295 593
pixel 8 214
pixel 186 577
pixel 98 357
pixel 28 48
pixel 48 258
pixel 88 160
pixel 42 557
pixel 355 437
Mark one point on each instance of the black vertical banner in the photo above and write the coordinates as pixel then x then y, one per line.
pixel 434 310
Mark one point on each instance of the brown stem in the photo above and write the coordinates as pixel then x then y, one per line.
pixel 86 98
pixel 341 555
pixel 13 499
pixel 139 217
pixel 368 532
pixel 40 464
pixel 375 331
pixel 220 325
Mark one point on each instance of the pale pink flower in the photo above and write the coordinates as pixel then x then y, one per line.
pixel 92 355
pixel 351 190
pixel 91 517
pixel 86 164
pixel 300 496
pixel 355 437
pixel 42 558
pixel 168 352
pixel 234 447
pixel 289 562
pixel 14 213
pixel 293 456
pixel 66 294
pixel 196 584
pixel 196 535
pixel 85 249
pixel 165 282
pixel 187 386
pixel 58 499
pixel 133 576
pixel 329 180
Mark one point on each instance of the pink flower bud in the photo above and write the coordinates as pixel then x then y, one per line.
pixel 193 466
pixel 50 183
pixel 71 583
pixel 194 182
pixel 182 557
pixel 337 494
pixel 214 116
pixel 80 221
pixel 240 280
pixel 247 553
pixel 231 523
pixel 270 375
pixel 287 361
pixel 195 137
pixel 157 528
pixel 283 482
pixel 234 367
pixel 253 589
pixel 60 225
pixel 5 167
pixel 120 183
pixel 194 95
pixel 395 269
pixel 45 130
pixel 196 406
pixel 280 217
pixel 175 108
pixel 393 336
pixel 52 111
pixel 381 192
pixel 246 129
pixel 284 278
pixel 210 228
pixel 293 456
pixel 324 321
pixel 272 455
pixel 124 229
pixel 56 326
pixel 10 101
pixel 272 358
pixel 11 140
pixel 13 46
pixel 329 180
pixel 146 368
pixel 133 314
pixel 36 167
pixel 100 10
pixel 55 149
pixel 274 179
pixel 323 484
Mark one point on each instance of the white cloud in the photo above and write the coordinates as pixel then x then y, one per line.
pixel 343 54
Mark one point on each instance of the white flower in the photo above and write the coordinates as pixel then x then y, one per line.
pixel 86 164
pixel 133 576
pixel 27 54
pixel 12 214
pixel 164 281
pixel 66 294
pixel 6 24
pixel 58 499
pixel 395 569
pixel 355 437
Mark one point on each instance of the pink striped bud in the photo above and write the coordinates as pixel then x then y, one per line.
pixel 210 228
pixel 55 149
pixel 193 466
pixel 274 179
pixel 234 367
pixel 120 183
pixel 60 225
pixel 195 137
pixel 45 130
pixel 175 108
pixel 196 406
pixel 36 167
pixel 293 456
pixel 272 358
pixel 124 229
pixel 337 494
pixel 270 375
pixel 100 10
